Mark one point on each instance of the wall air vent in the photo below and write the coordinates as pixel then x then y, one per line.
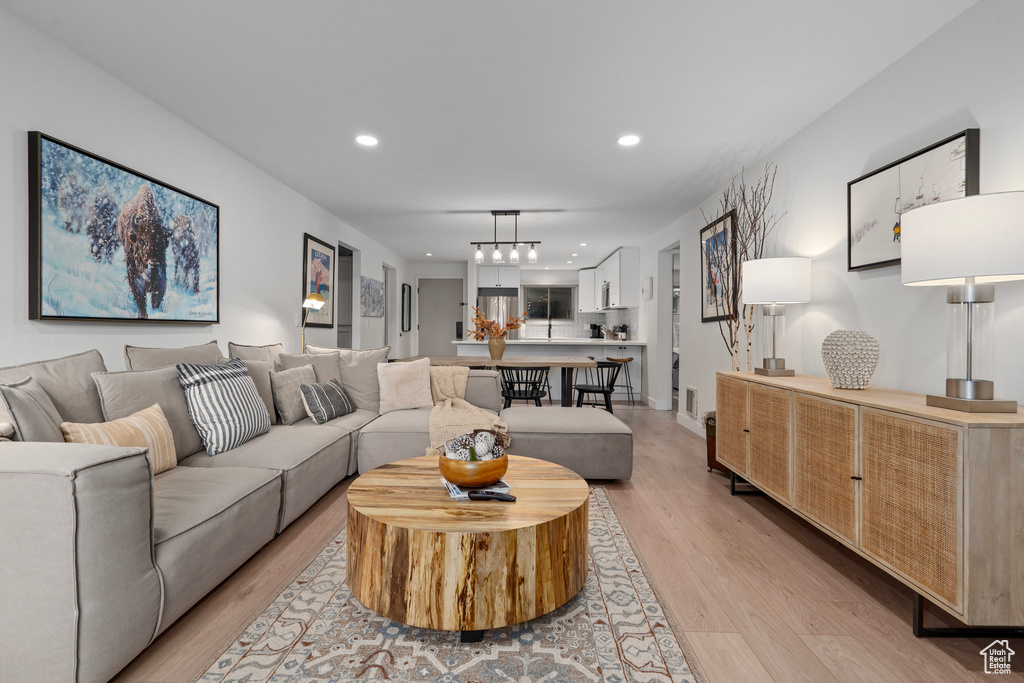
pixel 691 402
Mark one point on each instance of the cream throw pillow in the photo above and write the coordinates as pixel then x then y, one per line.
pixel 404 385
pixel 147 428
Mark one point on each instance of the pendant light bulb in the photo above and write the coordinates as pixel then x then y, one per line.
pixel 513 254
pixel 479 256
pixel 532 254
pixel 496 256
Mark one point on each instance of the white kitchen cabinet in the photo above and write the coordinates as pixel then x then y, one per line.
pixel 497 276
pixel 621 271
pixel 587 292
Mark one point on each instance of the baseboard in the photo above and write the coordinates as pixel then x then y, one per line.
pixel 693 425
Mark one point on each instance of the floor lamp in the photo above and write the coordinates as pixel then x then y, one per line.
pixel 967 245
pixel 315 302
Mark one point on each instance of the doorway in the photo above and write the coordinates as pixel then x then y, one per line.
pixel 345 297
pixel 441 301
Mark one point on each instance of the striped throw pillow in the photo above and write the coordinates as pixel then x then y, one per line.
pixel 224 404
pixel 324 402
pixel 147 428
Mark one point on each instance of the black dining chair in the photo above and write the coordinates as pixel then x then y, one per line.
pixel 605 375
pixel 523 384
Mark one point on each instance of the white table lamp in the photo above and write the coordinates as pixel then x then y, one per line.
pixel 774 282
pixel 967 245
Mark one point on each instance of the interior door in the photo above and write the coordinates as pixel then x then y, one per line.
pixel 439 304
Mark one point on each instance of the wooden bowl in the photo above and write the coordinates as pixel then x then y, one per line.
pixel 473 472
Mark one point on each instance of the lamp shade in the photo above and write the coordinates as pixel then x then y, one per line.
pixel 777 280
pixel 313 300
pixel 981 236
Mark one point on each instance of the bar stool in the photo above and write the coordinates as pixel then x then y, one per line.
pixel 628 385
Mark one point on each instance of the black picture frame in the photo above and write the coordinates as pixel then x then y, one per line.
pixel 79 271
pixel 319 270
pixel 406 308
pixel 713 260
pixel 875 201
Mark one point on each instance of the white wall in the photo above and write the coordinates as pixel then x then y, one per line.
pixel 966 75
pixel 44 86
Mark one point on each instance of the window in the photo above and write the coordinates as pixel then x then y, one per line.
pixel 548 303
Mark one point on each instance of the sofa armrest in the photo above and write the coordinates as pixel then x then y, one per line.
pixel 483 389
pixel 80 590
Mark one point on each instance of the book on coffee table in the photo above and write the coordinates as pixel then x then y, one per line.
pixel 462 492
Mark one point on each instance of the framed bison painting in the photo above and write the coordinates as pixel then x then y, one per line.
pixel 109 243
pixel 318 276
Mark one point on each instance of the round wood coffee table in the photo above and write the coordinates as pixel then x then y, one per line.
pixel 418 557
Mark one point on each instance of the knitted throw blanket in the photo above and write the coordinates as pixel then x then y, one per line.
pixel 452 415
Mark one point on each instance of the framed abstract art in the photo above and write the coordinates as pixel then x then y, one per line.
pixel 718 272
pixel 318 271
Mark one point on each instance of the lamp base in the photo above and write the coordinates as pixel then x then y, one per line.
pixel 774 367
pixel 774 373
pixel 972 405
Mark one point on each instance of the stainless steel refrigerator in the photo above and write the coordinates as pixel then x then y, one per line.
pixel 499 303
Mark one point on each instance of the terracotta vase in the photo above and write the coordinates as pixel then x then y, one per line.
pixel 496 346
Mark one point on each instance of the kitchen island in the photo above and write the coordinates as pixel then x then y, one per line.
pixel 600 349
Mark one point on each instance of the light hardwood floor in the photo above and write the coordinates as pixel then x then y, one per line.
pixel 757 594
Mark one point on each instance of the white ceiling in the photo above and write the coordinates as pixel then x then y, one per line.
pixel 496 105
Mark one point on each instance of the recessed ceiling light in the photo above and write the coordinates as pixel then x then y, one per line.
pixel 575 254
pixel 568 261
pixel 629 140
pixel 428 254
pixel 547 268
pixel 369 140
pixel 583 244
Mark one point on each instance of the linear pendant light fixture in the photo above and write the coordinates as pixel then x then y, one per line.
pixel 497 256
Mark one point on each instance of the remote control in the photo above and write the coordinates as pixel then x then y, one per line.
pixel 491 495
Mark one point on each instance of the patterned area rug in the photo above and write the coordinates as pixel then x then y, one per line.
pixel 613 631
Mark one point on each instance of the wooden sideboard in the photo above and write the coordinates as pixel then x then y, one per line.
pixel 934 497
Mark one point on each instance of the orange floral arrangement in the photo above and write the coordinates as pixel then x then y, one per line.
pixel 484 328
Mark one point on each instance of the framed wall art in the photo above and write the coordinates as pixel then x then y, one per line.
pixel 718 269
pixel 318 270
pixel 876 201
pixel 371 297
pixel 107 243
pixel 406 308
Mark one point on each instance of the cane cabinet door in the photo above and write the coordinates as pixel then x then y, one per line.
pixel 826 468
pixel 770 415
pixel 731 424
pixel 912 495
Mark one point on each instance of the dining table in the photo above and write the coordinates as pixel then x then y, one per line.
pixel 568 365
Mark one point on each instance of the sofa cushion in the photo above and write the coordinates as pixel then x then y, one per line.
pixel 287 385
pixel 359 374
pixel 128 392
pixel 267 353
pixel 224 404
pixel 483 389
pixel 592 442
pixel 404 386
pixel 259 370
pixel 352 424
pixel 326 366
pixel 325 402
pixel 206 523
pixel 150 358
pixel 146 429
pixel 31 412
pixel 311 459
pixel 397 435
pixel 68 382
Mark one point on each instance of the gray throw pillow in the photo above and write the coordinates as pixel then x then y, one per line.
pixel 31 412
pixel 260 372
pixel 268 352
pixel 326 365
pixel 150 358
pixel 126 393
pixel 287 386
pixel 359 374
pixel 67 381
pixel 324 402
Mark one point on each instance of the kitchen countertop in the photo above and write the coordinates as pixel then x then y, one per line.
pixel 561 342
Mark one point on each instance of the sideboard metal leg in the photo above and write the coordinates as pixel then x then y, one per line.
pixel 471 636
pixel 922 631
pixel 733 480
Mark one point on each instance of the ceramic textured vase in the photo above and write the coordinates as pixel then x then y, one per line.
pixel 496 346
pixel 850 358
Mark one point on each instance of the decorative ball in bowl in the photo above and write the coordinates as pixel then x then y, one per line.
pixel 476 459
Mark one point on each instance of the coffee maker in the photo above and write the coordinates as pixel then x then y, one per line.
pixel 596 332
